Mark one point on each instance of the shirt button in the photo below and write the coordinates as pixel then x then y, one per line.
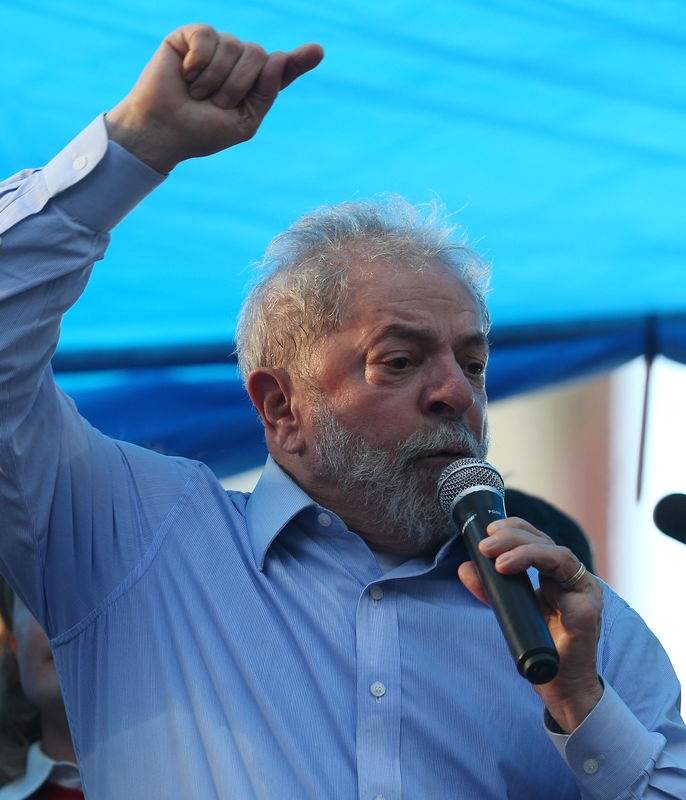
pixel 379 797
pixel 79 163
pixel 590 766
pixel 324 520
pixel 376 592
pixel 377 689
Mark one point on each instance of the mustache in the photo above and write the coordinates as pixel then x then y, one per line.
pixel 453 438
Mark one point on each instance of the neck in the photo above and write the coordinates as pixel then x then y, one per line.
pixel 379 534
pixel 56 742
pixel 362 516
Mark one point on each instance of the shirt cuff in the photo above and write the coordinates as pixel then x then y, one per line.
pixel 97 181
pixel 609 751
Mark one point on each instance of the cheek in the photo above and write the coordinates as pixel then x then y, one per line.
pixel 29 671
pixel 386 426
pixel 33 657
pixel 477 418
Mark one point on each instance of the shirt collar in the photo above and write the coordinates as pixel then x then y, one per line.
pixel 276 500
pixel 39 769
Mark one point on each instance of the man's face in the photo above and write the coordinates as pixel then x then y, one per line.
pixel 399 393
pixel 37 672
pixel 386 483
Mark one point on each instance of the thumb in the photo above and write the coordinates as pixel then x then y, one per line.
pixel 301 60
pixel 280 70
pixel 469 576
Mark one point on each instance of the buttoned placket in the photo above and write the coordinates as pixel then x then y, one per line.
pixel 379 688
pixel 378 673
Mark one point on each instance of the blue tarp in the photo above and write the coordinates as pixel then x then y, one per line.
pixel 554 130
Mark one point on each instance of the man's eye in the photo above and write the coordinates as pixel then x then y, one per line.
pixel 475 368
pixel 399 363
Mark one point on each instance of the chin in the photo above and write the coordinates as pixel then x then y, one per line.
pixel 427 541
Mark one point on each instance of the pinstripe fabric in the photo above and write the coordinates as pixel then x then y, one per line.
pixel 223 645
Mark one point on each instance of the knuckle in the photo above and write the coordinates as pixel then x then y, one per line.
pixel 202 33
pixel 566 553
pixel 256 50
pixel 230 45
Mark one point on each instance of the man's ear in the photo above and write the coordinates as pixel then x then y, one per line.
pixel 273 395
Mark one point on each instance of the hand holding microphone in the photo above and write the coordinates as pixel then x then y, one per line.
pixel 471 492
pixel 562 621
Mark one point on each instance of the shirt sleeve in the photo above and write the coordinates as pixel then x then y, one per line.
pixel 633 744
pixel 107 182
pixel 54 225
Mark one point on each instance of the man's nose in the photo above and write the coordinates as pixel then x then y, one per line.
pixel 449 393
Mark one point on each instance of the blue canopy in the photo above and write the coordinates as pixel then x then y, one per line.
pixel 554 129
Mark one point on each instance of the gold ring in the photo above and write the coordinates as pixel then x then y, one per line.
pixel 576 577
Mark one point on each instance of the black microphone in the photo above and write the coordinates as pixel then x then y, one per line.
pixel 670 516
pixel 472 494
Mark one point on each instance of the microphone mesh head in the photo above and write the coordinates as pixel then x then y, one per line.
pixel 465 474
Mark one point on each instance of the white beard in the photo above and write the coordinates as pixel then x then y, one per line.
pixel 396 494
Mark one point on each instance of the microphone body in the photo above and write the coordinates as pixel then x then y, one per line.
pixel 471 492
pixel 670 516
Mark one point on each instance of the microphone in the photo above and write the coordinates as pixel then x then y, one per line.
pixel 670 516
pixel 472 494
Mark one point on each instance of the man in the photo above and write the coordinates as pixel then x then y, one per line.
pixel 37 758
pixel 311 639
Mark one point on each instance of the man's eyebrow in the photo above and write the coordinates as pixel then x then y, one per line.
pixel 473 338
pixel 477 338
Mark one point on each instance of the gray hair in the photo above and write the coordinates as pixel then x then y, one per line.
pixel 305 288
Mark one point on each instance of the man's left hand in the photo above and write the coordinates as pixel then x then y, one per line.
pixel 573 615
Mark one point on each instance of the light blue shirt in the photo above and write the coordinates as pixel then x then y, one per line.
pixel 225 645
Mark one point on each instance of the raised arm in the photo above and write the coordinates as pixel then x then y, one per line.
pixel 63 490
pixel 202 92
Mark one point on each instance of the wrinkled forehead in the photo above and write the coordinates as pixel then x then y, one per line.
pixel 379 281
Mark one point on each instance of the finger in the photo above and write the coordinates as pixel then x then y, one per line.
pixel 266 87
pixel 244 73
pixel 469 576
pixel 514 524
pixel 279 71
pixel 516 545
pixel 506 534
pixel 218 70
pixel 195 44
pixel 577 610
pixel 301 60
pixel 552 561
